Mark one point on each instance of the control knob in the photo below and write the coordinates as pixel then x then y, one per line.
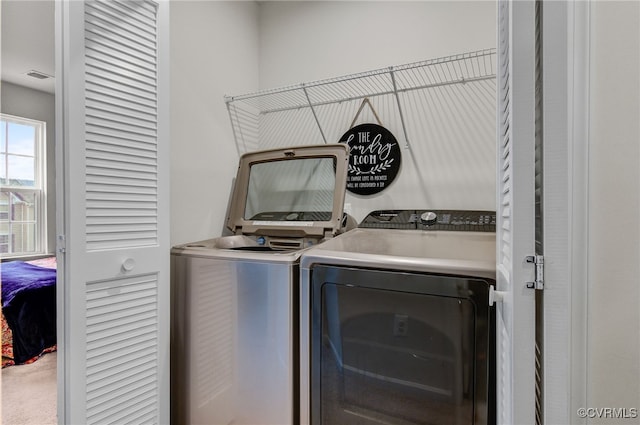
pixel 428 218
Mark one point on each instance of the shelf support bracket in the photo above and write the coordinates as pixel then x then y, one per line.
pixel 313 111
pixel 538 261
pixel 395 92
pixel 236 137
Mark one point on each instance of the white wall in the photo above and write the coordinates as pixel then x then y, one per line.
pixel 38 105
pixel 447 166
pixel 214 52
pixel 613 341
pixel 303 41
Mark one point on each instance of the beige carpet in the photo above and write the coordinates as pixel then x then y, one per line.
pixel 29 393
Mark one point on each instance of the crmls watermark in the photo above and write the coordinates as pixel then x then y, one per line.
pixel 608 412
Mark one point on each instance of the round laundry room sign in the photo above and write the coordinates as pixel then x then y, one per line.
pixel 374 158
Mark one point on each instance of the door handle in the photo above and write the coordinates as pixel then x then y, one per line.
pixel 128 264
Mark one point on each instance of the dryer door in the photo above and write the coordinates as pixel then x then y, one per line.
pixel 399 348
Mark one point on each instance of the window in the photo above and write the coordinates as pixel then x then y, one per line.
pixel 22 181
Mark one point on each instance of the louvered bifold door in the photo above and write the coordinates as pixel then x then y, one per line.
pixel 116 302
pixel 515 210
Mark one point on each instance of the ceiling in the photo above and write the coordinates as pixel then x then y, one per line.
pixel 28 43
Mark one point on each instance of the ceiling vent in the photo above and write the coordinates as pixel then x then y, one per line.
pixel 39 75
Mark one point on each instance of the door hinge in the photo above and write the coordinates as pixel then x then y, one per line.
pixel 61 244
pixel 538 260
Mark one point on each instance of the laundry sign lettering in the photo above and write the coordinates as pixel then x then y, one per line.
pixel 374 158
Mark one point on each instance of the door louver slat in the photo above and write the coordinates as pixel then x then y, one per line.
pixel 141 28
pixel 108 85
pixel 119 134
pixel 121 349
pixel 126 98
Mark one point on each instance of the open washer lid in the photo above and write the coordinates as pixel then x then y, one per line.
pixel 290 192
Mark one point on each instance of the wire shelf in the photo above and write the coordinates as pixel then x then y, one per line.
pixel 452 96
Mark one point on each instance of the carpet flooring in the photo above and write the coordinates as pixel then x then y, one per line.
pixel 29 393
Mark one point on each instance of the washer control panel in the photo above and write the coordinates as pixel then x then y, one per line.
pixel 450 220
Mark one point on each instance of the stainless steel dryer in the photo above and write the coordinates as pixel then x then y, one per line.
pixel 396 326
pixel 234 336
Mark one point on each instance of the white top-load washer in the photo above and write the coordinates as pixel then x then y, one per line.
pixel 396 323
pixel 235 298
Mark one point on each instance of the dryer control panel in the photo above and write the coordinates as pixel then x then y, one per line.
pixel 449 220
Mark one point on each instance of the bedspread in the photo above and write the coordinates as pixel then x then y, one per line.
pixel 29 306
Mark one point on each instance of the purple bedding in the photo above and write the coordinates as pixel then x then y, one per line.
pixel 29 306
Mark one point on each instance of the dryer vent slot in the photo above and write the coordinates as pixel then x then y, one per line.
pixel 285 244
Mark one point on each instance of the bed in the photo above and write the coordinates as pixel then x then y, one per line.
pixel 28 310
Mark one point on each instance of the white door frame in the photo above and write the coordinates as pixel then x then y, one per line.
pixel 565 211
